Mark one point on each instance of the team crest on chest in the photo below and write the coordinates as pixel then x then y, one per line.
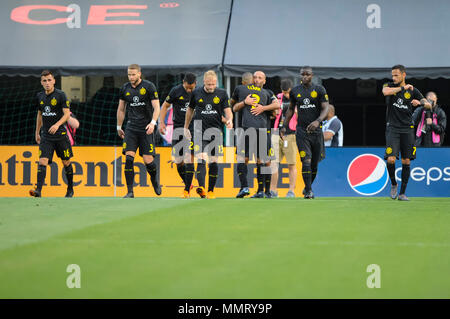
pixel 216 100
pixel 53 102
pixel 142 91
pixel 407 95
pixel 313 94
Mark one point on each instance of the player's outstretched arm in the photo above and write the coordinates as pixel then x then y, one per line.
pixel 38 127
pixel 120 118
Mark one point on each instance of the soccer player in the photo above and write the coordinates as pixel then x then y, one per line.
pixel 140 98
pixel 311 101
pixel 400 100
pixel 179 97
pixel 256 104
pixel 53 112
pixel 209 103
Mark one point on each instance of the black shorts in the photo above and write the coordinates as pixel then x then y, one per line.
pixel 261 148
pixel 180 143
pixel 310 146
pixel 134 140
pixel 400 142
pixel 211 146
pixel 61 146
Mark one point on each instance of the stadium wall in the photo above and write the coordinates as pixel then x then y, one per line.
pixel 98 171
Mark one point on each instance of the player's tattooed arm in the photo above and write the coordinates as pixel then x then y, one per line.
pixel 394 90
pixel 38 127
pixel 62 120
pixel 120 117
pixel 426 104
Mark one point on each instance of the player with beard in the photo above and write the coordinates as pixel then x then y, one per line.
pixel 140 98
pixel 256 105
pixel 401 98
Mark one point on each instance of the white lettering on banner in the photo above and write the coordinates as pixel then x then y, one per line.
pixel 433 174
pixel 74 20
pixel 374 19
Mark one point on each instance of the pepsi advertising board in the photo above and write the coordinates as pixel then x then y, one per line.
pixel 362 172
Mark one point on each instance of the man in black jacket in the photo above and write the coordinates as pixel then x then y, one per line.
pixel 430 124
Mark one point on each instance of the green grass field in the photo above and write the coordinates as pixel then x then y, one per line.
pixel 224 248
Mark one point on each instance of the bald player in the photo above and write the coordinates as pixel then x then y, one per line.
pixel 256 104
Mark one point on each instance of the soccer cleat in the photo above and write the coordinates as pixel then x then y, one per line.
pixel 35 193
pixel 309 195
pixel 273 194
pixel 304 191
pixel 157 188
pixel 243 192
pixel 267 195
pixel 185 194
pixel 259 194
pixel 69 193
pixel 201 191
pixel 211 195
pixel 129 195
pixel 290 194
pixel 403 197
pixel 394 191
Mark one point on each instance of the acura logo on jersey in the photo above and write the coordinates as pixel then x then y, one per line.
pixel 209 110
pixel 48 111
pixel 307 104
pixel 400 105
pixel 184 109
pixel 136 101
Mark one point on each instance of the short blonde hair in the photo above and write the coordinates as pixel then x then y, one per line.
pixel 210 73
pixel 134 67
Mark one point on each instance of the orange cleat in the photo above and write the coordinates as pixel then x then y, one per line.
pixel 211 195
pixel 185 194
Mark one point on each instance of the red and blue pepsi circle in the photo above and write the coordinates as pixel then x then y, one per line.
pixel 367 174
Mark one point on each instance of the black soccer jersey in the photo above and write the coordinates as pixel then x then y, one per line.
pixel 209 107
pixel 139 103
pixel 308 101
pixel 52 106
pixel 399 109
pixel 179 99
pixel 263 97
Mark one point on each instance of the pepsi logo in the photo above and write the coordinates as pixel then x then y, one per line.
pixel 367 174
